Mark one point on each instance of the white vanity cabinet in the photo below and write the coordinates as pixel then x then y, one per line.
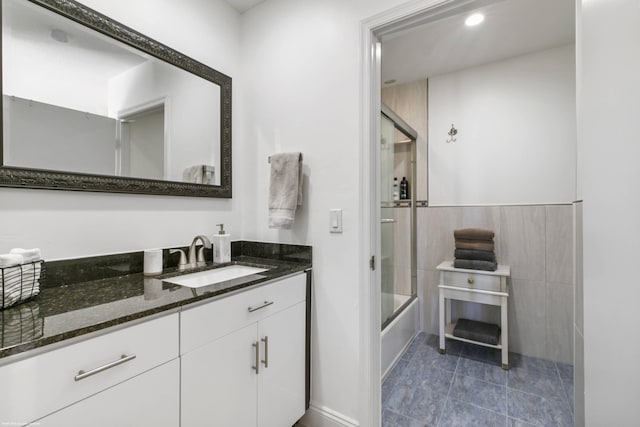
pixel 149 399
pixel 243 358
pixel 91 381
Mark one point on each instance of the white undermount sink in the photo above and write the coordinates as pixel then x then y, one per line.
pixel 217 275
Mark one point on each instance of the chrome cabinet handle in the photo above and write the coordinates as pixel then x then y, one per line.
pixel 256 345
pixel 266 303
pixel 123 359
pixel 387 221
pixel 265 340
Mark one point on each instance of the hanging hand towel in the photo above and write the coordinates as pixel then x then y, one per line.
pixel 285 189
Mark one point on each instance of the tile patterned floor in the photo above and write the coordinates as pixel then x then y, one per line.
pixel 467 387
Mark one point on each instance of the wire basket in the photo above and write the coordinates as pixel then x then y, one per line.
pixel 21 324
pixel 20 283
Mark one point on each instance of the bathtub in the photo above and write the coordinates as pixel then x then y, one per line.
pixel 398 334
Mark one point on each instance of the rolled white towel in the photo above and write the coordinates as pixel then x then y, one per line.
pixel 29 255
pixel 11 260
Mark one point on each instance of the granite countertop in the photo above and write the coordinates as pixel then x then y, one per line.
pixel 65 311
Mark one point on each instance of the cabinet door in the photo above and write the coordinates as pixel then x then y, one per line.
pixel 149 399
pixel 219 384
pixel 281 384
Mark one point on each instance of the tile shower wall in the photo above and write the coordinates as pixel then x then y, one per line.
pixel 537 242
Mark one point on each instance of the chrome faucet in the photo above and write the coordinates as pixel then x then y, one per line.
pixel 193 259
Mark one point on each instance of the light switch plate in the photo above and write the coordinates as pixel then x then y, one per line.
pixel 335 220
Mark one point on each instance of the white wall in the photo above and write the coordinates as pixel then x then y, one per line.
pixel 68 224
pixel 516 141
pixel 609 132
pixel 301 92
pixel 192 109
pixel 64 140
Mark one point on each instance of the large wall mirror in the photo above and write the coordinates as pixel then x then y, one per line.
pixel 90 104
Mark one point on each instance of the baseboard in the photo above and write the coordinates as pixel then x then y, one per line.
pixel 320 416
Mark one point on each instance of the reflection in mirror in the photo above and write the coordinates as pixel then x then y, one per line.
pixel 78 101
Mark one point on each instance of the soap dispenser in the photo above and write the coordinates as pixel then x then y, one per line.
pixel 221 246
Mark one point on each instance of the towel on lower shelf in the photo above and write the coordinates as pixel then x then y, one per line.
pixel 473 254
pixel 475 244
pixel 285 189
pixel 474 234
pixel 474 264
pixel 477 331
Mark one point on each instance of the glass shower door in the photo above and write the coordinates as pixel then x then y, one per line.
pixel 387 226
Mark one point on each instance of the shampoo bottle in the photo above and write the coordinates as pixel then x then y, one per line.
pixel 404 188
pixel 221 246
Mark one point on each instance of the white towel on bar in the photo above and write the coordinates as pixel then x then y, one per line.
pixel 192 174
pixel 29 255
pixel 10 260
pixel 285 189
pixel 199 174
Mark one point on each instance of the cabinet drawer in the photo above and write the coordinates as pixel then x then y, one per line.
pixel 150 399
pixel 472 280
pixel 39 385
pixel 207 322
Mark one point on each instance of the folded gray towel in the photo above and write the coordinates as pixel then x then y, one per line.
pixel 285 189
pixel 480 245
pixel 474 234
pixel 477 331
pixel 475 254
pixel 473 264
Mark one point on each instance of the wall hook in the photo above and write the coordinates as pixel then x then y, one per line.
pixel 452 134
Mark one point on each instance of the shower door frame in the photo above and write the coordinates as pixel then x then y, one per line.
pixel 403 127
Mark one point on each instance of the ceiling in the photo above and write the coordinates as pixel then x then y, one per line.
pixel 243 5
pixel 510 28
pixel 28 25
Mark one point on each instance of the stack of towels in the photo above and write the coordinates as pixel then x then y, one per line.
pixel 475 249
pixel 19 275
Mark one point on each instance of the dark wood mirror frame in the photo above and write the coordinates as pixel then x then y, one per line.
pixel 45 179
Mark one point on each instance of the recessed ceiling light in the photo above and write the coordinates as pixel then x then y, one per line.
pixel 474 19
pixel 59 35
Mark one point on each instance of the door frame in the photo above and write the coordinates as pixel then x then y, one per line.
pixel 371 30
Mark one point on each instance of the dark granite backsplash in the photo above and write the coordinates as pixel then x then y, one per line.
pixel 280 251
pixel 80 270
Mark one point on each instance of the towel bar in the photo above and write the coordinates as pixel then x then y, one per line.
pixel 269 158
